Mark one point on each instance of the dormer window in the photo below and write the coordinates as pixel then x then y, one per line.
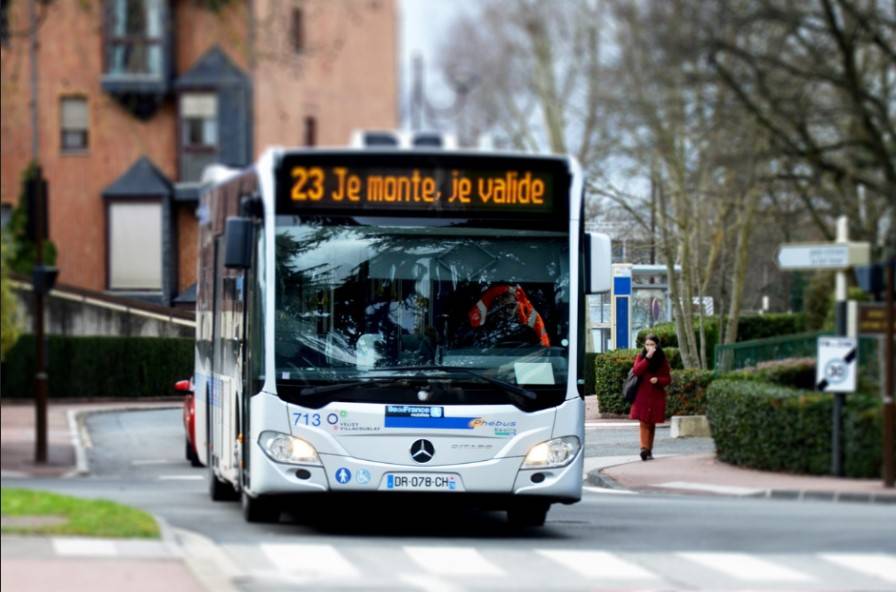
pixel 199 133
pixel 135 40
pixel 137 53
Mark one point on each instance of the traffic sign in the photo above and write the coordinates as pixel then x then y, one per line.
pixel 835 370
pixel 823 255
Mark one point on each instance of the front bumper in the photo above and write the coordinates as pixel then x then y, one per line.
pixel 499 476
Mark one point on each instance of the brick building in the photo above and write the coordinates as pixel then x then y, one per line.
pixel 136 97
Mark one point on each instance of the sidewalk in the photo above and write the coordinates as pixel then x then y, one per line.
pixel 17 435
pixel 91 565
pixel 702 474
pixel 78 564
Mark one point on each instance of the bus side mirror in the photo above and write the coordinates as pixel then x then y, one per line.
pixel 598 263
pixel 238 243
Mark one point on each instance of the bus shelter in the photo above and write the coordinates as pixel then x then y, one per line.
pixel 639 298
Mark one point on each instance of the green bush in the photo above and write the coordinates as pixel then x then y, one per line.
pixel 775 324
pixel 666 333
pixel 687 392
pixel 101 366
pixel 772 427
pixel 748 327
pixel 792 372
pixel 674 357
pixel 668 337
pixel 610 370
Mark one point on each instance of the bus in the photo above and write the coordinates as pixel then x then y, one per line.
pixel 392 321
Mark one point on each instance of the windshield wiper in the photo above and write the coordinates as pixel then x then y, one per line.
pixel 505 386
pixel 341 386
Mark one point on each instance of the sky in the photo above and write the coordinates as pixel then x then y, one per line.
pixel 423 24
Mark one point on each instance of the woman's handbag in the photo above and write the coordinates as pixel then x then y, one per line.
pixel 630 387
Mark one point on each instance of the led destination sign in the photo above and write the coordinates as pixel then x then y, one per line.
pixel 439 188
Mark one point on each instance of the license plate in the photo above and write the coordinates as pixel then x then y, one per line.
pixel 421 482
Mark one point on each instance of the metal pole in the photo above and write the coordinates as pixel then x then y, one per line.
pixel 839 398
pixel 889 407
pixel 40 376
pixel 32 54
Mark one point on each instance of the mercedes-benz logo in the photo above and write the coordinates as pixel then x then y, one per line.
pixel 422 451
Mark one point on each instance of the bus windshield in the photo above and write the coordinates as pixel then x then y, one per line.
pixel 358 302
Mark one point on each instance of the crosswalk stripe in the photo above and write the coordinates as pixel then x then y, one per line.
pixel 84 547
pixel 873 564
pixel 746 567
pixel 322 561
pixel 452 561
pixel 597 564
pixel 428 583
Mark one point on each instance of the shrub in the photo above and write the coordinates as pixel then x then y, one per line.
pixel 776 428
pixel 792 372
pixel 687 392
pixel 101 366
pixel 674 357
pixel 665 331
pixel 749 327
pixel 610 370
pixel 668 337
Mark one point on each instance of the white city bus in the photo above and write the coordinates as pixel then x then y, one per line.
pixel 389 321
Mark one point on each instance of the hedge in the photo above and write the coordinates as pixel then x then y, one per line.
pixel 777 428
pixel 793 372
pixel 687 392
pixel 749 327
pixel 101 366
pixel 610 370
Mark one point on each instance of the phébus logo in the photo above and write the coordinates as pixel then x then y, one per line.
pixel 479 422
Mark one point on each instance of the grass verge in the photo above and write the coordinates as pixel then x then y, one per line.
pixel 83 517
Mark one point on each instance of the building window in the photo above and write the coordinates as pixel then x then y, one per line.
pixel 297 30
pixel 199 133
pixel 199 114
pixel 74 124
pixel 310 131
pixel 135 246
pixel 134 40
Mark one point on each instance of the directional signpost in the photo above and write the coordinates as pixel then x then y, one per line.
pixel 838 256
pixel 802 256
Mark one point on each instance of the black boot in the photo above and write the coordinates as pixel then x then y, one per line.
pixel 645 454
pixel 649 454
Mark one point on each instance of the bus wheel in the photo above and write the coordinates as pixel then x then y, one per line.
pixel 528 514
pixel 259 509
pixel 218 490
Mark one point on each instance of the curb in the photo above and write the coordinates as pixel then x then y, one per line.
pixel 829 496
pixel 81 438
pixel 75 425
pixel 599 479
pixel 207 562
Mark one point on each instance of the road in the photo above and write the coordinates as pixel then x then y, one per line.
pixel 609 540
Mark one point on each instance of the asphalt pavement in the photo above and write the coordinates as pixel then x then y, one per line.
pixel 610 540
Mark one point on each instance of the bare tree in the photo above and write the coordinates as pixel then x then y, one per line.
pixel 820 77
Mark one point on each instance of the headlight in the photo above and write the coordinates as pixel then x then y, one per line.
pixel 558 452
pixel 284 448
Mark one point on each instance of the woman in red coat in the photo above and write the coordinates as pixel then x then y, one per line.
pixel 652 369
